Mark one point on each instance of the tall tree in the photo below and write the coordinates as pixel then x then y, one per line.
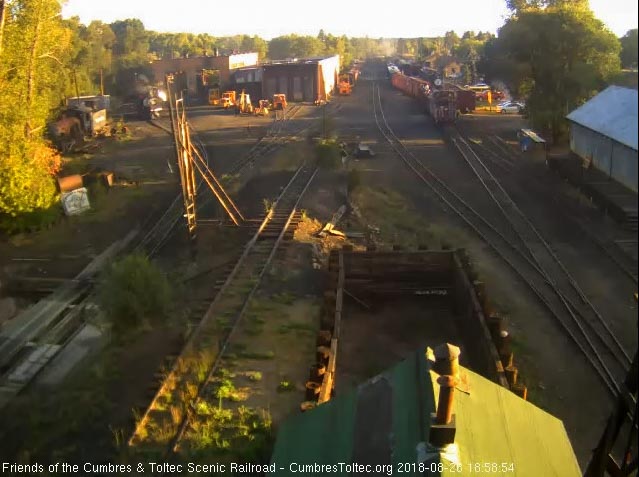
pixel 629 49
pixel 562 52
pixel 35 42
pixel 2 15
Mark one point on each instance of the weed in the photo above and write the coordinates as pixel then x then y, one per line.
pixel 300 327
pixel 285 386
pixel 257 355
pixel 328 155
pixel 284 298
pixel 268 205
pixel 134 292
pixel 253 375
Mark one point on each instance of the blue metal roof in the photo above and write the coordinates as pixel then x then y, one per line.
pixel 613 113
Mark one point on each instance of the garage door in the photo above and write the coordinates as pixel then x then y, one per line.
pixel 298 95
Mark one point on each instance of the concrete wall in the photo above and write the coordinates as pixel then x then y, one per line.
pixel 610 157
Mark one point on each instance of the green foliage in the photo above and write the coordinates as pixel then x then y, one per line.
pixel 285 386
pixel 629 46
pixel 134 292
pixel 33 42
pixel 294 46
pixel 328 155
pixel 562 54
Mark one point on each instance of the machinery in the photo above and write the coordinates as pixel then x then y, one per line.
pixel 262 108
pixel 244 105
pixel 228 99
pixel 74 124
pixel 279 101
pixel 214 96
pixel 153 103
pixel 344 86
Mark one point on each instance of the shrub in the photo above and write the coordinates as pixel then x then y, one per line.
pixel 328 155
pixel 134 292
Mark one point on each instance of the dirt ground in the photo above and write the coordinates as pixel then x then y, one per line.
pixel 372 341
pixel 395 202
pixel 68 246
pixel 277 337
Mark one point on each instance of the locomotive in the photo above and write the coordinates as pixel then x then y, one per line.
pixel 442 101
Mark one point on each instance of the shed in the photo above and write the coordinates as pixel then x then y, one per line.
pixel 603 132
pixel 386 421
pixel 307 79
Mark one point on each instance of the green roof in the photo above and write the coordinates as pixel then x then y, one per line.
pixel 386 421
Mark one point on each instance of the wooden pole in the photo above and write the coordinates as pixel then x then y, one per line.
pixel 101 81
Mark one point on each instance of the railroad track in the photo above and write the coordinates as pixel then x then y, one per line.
pixel 493 148
pixel 161 230
pixel 168 415
pixel 520 245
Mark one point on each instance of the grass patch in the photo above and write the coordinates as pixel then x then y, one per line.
pixel 285 386
pixel 327 153
pixel 253 375
pixel 256 355
pixel 299 327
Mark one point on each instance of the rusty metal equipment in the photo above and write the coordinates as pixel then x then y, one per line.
pixel 189 160
pixel 344 86
pixel 262 108
pixel 279 101
pixel 228 99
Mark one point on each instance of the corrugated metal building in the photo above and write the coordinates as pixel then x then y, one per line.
pixel 308 79
pixel 192 68
pixel 387 421
pixel 604 131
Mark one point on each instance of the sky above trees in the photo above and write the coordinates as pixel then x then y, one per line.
pixel 352 18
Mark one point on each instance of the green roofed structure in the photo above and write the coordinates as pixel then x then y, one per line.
pixel 388 424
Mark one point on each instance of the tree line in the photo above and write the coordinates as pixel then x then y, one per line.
pixel 555 53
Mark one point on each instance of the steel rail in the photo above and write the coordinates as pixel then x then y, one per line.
pixel 508 151
pixel 174 446
pixel 573 283
pixel 406 156
pixel 176 374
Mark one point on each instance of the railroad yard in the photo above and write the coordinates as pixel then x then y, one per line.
pixel 249 302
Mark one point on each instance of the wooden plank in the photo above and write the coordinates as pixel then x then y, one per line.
pixel 329 376
pixel 28 324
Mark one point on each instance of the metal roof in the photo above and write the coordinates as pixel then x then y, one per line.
pixel 613 113
pixel 387 421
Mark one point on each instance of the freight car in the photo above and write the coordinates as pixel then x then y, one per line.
pixel 442 104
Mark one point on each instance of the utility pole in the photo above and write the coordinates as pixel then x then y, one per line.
pixel 101 82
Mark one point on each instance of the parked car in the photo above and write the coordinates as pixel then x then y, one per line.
pixel 511 107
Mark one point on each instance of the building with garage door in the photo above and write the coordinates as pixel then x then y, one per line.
pixel 308 79
pixel 603 133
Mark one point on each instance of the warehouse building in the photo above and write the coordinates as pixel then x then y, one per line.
pixel 603 133
pixel 193 80
pixel 308 79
